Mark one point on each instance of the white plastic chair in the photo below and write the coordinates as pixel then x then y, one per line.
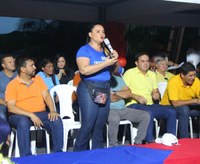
pixel 162 87
pixel 13 138
pixel 133 132
pixel 70 82
pixel 64 93
pixel 157 127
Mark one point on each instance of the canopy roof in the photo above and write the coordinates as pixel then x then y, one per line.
pixel 145 12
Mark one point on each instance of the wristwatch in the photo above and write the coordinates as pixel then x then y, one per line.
pixel 114 92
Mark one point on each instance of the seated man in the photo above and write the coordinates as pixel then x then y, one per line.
pixel 183 93
pixel 143 85
pixel 162 74
pixel 158 56
pixel 6 75
pixel 26 96
pixel 118 111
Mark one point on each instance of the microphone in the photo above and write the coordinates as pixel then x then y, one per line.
pixel 107 43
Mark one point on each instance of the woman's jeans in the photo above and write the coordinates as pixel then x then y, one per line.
pixel 93 117
pixel 183 114
pixel 23 123
pixel 4 130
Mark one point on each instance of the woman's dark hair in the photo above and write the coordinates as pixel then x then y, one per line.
pixel 55 61
pixel 44 62
pixel 69 72
pixel 113 81
pixel 186 68
pixel 59 55
pixel 90 27
pixel 141 54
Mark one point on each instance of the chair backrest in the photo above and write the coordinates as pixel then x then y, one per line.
pixel 70 82
pixel 162 87
pixel 64 93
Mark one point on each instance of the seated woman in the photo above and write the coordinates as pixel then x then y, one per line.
pixel 63 72
pixel 47 73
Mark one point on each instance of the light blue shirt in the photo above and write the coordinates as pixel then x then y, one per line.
pixel 120 104
pixel 48 80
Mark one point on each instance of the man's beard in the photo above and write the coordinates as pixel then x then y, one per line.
pixel 33 74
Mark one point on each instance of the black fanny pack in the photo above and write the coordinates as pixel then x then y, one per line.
pixel 98 94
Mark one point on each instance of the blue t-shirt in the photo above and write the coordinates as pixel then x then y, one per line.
pixel 4 80
pixel 48 80
pixel 120 104
pixel 95 58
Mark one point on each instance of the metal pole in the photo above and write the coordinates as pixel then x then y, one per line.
pixel 180 40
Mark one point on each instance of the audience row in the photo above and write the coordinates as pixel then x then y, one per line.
pixel 103 96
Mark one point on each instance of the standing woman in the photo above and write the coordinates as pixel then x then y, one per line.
pixel 62 70
pixel 93 65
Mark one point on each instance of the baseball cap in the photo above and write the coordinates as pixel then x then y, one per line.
pixel 167 139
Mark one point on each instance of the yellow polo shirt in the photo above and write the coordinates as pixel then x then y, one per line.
pixel 140 84
pixel 176 90
pixel 161 78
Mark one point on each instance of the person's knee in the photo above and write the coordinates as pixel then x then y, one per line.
pixel 113 120
pixel 146 116
pixel 150 115
pixel 5 128
pixel 183 111
pixel 3 113
pixel 172 113
pixel 24 123
pixel 58 122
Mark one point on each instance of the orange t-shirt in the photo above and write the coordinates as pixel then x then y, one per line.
pixel 76 81
pixel 28 98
